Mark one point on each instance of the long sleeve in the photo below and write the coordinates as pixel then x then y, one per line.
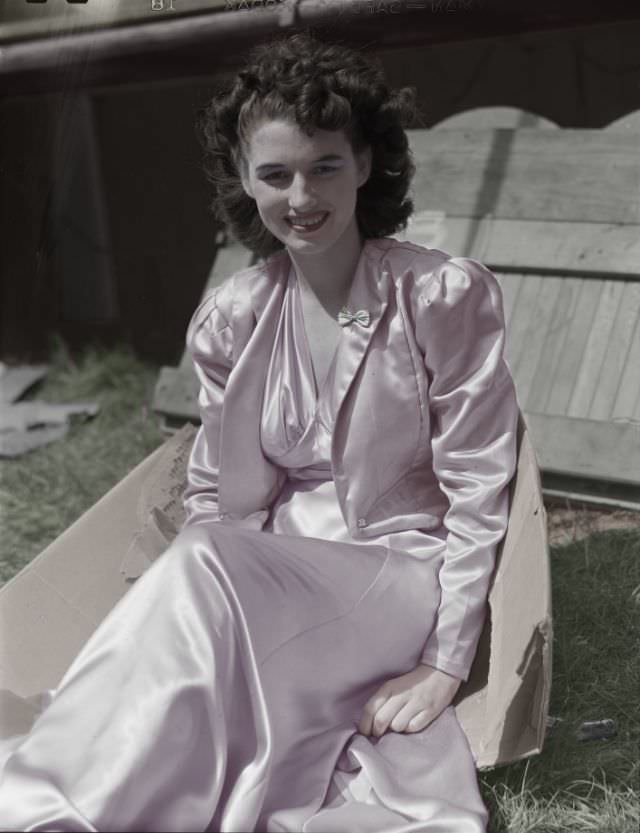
pixel 474 412
pixel 209 341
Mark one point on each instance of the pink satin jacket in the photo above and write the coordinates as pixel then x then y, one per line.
pixel 425 431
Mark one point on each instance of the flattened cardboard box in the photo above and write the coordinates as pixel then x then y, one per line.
pixel 51 608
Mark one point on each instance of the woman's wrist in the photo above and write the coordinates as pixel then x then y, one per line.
pixel 448 670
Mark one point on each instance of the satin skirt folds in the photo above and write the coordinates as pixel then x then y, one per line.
pixel 222 691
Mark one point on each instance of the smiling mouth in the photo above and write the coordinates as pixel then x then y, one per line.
pixel 307 224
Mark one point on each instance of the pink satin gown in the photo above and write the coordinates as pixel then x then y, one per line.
pixel 223 692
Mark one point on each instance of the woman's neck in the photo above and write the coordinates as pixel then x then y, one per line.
pixel 329 275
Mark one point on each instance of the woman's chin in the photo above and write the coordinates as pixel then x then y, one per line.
pixel 306 245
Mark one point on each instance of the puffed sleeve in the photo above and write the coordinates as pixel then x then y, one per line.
pixel 474 412
pixel 210 343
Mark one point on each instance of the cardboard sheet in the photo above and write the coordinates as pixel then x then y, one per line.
pixel 31 424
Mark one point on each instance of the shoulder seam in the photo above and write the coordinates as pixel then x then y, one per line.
pixel 207 306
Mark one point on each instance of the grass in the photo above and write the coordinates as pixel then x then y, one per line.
pixel 44 491
pixel 571 787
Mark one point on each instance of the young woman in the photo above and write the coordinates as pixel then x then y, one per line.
pixel 289 662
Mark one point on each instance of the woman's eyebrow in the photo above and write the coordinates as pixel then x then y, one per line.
pixel 328 157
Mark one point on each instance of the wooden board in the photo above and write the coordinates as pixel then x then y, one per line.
pixel 550 175
pixel 621 358
pixel 542 381
pixel 534 307
pixel 585 385
pixel 585 447
pixel 33 19
pixel 176 392
pixel 483 118
pixel 628 398
pixel 533 245
pixel 573 346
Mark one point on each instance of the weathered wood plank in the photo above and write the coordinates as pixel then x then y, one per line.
pixel 176 391
pixel 588 377
pixel 629 123
pixel 635 366
pixel 535 339
pixel 510 285
pixel 627 403
pixel 229 259
pixel 25 21
pixel 586 447
pixel 617 354
pixel 483 118
pixel 518 326
pixel 559 323
pixel 636 412
pixel 529 174
pixel 606 248
pixel 581 314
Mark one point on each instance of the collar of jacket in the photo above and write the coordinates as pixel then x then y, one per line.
pixel 248 482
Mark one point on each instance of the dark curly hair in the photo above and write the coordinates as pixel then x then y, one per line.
pixel 314 85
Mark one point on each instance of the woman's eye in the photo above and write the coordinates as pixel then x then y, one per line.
pixel 275 176
pixel 278 177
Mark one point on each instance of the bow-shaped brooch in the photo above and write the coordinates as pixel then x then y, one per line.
pixel 360 316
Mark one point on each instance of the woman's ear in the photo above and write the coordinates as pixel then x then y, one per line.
pixel 364 165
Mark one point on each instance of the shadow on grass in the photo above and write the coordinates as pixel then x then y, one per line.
pixel 589 786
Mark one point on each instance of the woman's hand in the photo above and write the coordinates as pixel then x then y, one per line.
pixel 408 703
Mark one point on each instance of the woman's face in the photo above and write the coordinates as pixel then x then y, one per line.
pixel 305 187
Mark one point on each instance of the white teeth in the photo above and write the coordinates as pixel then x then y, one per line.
pixel 307 221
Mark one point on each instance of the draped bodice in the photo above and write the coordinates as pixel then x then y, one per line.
pixel 297 414
pixel 296 423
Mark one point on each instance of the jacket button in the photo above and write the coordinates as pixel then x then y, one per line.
pixel 362 522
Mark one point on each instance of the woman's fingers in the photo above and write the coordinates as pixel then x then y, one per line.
pixel 379 711
pixel 420 721
pixel 402 715
pixel 370 710
pixel 405 718
pixel 399 713
pixel 408 703
pixel 386 713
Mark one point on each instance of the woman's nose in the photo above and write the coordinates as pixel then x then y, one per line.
pixel 301 194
